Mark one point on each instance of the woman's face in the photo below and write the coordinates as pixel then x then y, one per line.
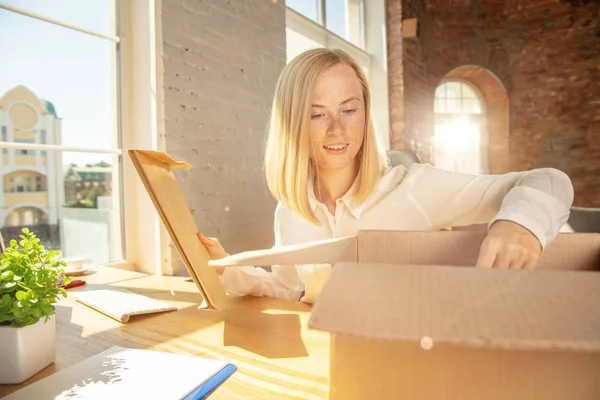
pixel 337 118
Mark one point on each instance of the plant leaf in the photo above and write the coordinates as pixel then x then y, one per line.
pixel 47 309
pixel 7 275
pixel 7 300
pixel 21 295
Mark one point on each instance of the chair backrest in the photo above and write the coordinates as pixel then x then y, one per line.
pixel 402 157
pixel 584 219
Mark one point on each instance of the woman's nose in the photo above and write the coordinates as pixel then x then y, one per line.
pixel 335 127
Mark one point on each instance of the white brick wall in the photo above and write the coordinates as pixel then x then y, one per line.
pixel 221 60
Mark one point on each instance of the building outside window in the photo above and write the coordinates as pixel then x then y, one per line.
pixel 43 140
pixel 24 152
pixel 59 113
pixel 4 138
pixel 21 184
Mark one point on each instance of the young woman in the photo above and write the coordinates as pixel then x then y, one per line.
pixel 331 179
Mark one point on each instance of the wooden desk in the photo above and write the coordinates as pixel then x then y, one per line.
pixel 277 356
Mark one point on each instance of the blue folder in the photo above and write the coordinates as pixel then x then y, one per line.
pixel 208 387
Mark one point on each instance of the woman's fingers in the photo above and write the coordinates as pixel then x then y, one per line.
pixel 487 257
pixel 213 246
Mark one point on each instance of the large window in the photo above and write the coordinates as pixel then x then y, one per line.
pixel 59 112
pixel 355 26
pixel 459 127
pixel 342 17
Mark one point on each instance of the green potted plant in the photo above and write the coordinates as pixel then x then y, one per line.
pixel 31 279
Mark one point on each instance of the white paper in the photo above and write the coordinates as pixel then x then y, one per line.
pixel 120 373
pixel 321 252
pixel 121 304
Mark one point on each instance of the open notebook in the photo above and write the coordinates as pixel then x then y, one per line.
pixel 121 373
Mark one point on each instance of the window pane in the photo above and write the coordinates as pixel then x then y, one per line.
pixel 457 98
pixel 95 15
pixel 344 18
pixel 440 106
pixel 298 43
pixel 336 13
pixel 453 106
pixel 440 92
pixel 56 80
pixel 453 90
pixel 71 207
pixel 468 92
pixel 308 8
pixel 471 106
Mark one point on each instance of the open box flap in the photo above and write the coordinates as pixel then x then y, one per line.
pixel 320 252
pixel 154 169
pixel 578 251
pixel 520 309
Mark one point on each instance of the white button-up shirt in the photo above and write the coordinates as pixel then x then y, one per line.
pixel 420 198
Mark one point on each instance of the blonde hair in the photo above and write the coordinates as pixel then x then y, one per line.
pixel 288 166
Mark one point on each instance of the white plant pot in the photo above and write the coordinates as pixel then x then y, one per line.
pixel 26 351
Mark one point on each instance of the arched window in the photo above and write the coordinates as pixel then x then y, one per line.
pixel 458 127
pixel 457 98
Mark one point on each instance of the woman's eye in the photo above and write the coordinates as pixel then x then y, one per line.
pixel 351 111
pixel 316 116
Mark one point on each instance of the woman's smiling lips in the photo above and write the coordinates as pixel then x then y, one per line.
pixel 336 148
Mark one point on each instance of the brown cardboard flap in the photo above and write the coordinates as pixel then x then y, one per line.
pixel 161 159
pixel 154 169
pixel 520 309
pixel 579 251
pixel 321 252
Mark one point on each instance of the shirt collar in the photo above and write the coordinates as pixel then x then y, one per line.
pixel 390 179
pixel 346 200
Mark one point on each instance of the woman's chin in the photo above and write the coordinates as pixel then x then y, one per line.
pixel 336 164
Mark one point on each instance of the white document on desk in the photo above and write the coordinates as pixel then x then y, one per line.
pixel 120 373
pixel 121 304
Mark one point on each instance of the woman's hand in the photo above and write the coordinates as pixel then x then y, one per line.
pixel 509 245
pixel 214 249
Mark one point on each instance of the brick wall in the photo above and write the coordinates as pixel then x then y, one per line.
pixel 546 54
pixel 221 60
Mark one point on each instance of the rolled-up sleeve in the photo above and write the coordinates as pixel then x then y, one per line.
pixel 539 200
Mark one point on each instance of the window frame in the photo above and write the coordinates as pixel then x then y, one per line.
pixel 480 119
pixel 478 95
pixel 147 241
pixel 119 222
pixel 321 7
pixel 373 55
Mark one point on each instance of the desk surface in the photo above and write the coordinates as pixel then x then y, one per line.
pixel 277 356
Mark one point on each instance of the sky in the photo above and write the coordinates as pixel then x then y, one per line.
pixel 335 12
pixel 68 68
pixel 72 69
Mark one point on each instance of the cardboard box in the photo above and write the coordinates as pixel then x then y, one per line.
pixel 409 321
pixel 409 316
